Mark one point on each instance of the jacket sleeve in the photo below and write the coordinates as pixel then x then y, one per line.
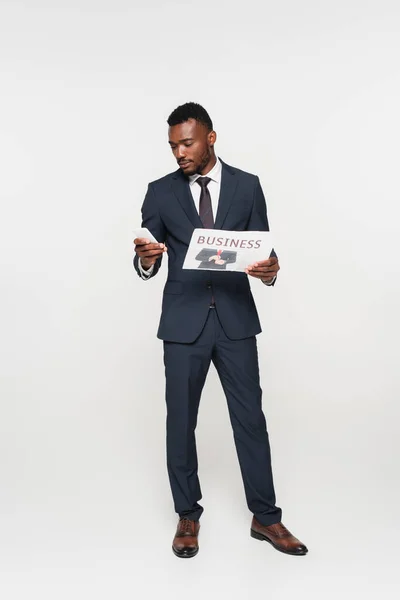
pixel 258 220
pixel 152 220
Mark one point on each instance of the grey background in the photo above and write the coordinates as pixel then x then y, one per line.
pixel 304 94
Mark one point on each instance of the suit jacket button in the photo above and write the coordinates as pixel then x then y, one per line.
pixel 209 286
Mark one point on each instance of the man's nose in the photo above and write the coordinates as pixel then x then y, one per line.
pixel 181 152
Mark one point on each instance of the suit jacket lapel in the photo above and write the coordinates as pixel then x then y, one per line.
pixel 181 189
pixel 229 183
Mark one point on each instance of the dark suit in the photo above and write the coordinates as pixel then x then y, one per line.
pixel 195 334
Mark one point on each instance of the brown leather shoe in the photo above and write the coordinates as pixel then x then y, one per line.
pixel 279 537
pixel 185 544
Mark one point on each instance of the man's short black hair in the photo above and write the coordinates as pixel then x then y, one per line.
pixel 190 110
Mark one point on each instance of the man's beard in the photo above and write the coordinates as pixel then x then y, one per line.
pixel 203 162
pixel 206 157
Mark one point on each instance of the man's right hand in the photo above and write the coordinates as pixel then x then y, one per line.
pixel 148 252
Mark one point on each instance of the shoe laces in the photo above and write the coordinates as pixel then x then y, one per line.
pixel 185 525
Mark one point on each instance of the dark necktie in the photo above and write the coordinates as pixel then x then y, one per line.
pixel 205 211
pixel 205 206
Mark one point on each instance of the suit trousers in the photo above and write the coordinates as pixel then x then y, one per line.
pixel 186 368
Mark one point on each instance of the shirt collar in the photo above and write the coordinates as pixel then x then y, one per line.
pixel 214 174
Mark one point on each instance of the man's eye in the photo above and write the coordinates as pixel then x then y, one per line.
pixel 187 145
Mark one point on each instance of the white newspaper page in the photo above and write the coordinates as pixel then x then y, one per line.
pixel 219 250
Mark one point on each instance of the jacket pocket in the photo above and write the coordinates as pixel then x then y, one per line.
pixel 173 287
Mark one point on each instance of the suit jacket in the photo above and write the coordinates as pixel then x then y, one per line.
pixel 170 214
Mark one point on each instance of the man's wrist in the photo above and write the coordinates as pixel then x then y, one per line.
pixel 145 272
pixel 146 266
pixel 269 281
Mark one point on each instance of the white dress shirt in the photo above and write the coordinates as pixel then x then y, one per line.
pixel 214 188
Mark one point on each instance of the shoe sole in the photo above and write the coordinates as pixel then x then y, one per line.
pixel 263 538
pixel 183 555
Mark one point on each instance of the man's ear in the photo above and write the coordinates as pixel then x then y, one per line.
pixel 212 138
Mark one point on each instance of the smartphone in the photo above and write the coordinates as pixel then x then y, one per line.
pixel 143 232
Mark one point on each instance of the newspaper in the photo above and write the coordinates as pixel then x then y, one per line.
pixel 221 250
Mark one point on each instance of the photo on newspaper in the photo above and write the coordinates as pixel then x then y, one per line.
pixel 220 250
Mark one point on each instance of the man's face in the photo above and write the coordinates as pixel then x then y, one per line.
pixel 192 145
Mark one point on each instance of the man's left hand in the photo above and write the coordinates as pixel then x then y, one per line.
pixel 264 269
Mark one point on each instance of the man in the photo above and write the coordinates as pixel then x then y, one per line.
pixel 209 316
